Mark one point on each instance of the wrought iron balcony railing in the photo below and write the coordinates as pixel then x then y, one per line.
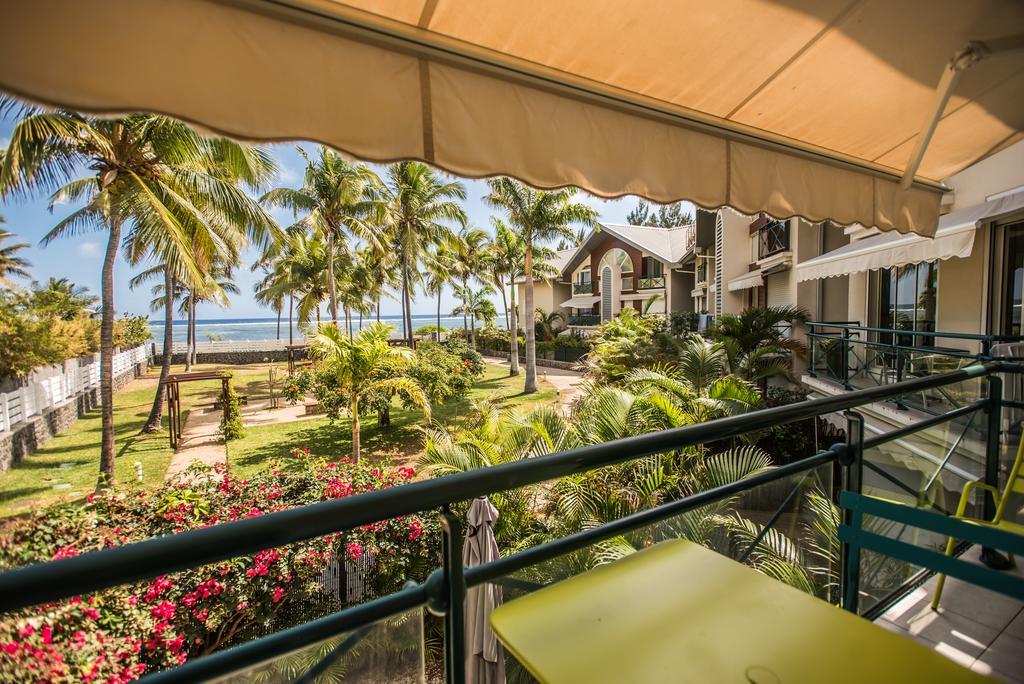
pixel 857 356
pixel 584 320
pixel 582 287
pixel 327 641
pixel 651 282
pixel 772 238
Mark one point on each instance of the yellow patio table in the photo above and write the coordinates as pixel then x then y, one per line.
pixel 677 612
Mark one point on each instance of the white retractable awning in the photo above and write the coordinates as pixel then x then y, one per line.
pixel 746 281
pixel 580 302
pixel 954 238
pixel 787 107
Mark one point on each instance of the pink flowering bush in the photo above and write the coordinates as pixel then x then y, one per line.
pixel 119 634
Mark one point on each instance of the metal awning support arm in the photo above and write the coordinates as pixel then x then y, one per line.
pixel 966 57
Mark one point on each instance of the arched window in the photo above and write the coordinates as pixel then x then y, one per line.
pixel 619 258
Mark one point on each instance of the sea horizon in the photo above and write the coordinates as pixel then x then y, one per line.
pixel 266 328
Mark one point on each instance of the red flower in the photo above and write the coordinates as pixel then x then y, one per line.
pixel 164 610
pixel 65 552
pixel 278 593
pixel 354 550
pixel 415 529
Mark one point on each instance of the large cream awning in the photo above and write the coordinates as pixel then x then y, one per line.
pixel 746 281
pixel 784 106
pixel 583 302
pixel 954 238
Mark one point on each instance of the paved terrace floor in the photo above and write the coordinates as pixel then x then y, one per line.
pixel 977 628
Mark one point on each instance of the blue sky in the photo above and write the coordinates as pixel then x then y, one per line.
pixel 80 258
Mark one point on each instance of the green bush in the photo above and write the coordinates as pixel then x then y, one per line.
pixel 131 331
pixel 446 371
pixel 231 422
pixel 37 335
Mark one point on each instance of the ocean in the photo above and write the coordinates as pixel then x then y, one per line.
pixel 252 329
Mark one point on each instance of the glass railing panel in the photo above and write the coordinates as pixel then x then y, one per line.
pixel 391 650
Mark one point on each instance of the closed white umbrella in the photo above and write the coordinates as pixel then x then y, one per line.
pixel 485 658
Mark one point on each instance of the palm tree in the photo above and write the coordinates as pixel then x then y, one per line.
pixel 478 306
pixel 546 323
pixel 63 298
pixel 505 259
pixel 470 249
pixel 416 205
pixel 335 197
pixel 147 173
pixel 537 216
pixel 439 267
pixel 755 344
pixel 10 263
pixel 357 365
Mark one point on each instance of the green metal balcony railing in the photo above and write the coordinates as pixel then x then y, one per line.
pixel 651 282
pixel 584 320
pixel 582 287
pixel 857 356
pixel 443 591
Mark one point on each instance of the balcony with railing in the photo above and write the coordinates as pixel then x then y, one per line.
pixel 870 540
pixel 702 272
pixel 651 282
pixel 584 320
pixel 856 357
pixel 582 287
pixel 772 239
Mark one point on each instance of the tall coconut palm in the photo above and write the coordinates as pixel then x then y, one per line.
pixel 440 267
pixel 10 263
pixel 65 299
pixel 357 365
pixel 477 305
pixel 505 261
pixel 144 172
pixel 336 199
pixel 470 252
pixel 537 216
pixel 418 207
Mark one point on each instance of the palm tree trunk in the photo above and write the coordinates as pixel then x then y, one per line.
pixel 378 308
pixel 513 331
pixel 156 412
pixel 531 334
pixel 439 292
pixel 465 284
pixel 472 330
pixel 360 320
pixel 106 478
pixel 279 322
pixel 291 308
pixel 504 299
pixel 354 408
pixel 195 332
pixel 189 332
pixel 332 292
pixel 348 321
pixel 406 302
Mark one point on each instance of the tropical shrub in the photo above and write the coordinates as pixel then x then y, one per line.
pixel 683 323
pixel 627 341
pixel 446 371
pixel 131 331
pixel 231 422
pixel 122 633
pixel 38 333
pixel 793 441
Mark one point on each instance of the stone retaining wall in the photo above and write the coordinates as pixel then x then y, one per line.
pixel 30 435
pixel 237 358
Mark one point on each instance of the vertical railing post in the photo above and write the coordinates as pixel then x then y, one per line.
pixel 455 586
pixel 853 480
pixel 994 413
pixel 845 353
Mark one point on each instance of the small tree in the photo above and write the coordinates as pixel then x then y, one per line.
pixel 357 365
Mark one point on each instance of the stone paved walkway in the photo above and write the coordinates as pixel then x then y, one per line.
pixel 566 382
pixel 200 442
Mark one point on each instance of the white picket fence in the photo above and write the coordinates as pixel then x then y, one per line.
pixel 52 385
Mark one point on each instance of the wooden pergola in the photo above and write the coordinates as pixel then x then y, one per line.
pixel 173 385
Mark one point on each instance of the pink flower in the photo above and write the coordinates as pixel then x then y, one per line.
pixel 415 529
pixel 65 552
pixel 406 473
pixel 93 614
pixel 26 631
pixel 164 610
pixel 278 593
pixel 354 550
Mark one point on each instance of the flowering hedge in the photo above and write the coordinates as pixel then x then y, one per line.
pixel 118 634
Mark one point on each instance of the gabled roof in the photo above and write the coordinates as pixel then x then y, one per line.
pixel 666 244
pixel 558 261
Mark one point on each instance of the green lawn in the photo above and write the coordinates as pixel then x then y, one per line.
pixel 67 467
pixel 400 443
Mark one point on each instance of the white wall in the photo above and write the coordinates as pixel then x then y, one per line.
pixel 1000 172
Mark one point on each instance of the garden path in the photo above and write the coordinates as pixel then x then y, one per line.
pixel 260 413
pixel 567 382
pixel 200 442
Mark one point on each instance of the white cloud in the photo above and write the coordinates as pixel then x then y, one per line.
pixel 89 249
pixel 286 175
pixel 4 142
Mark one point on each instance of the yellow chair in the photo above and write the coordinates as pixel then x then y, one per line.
pixel 1014 484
